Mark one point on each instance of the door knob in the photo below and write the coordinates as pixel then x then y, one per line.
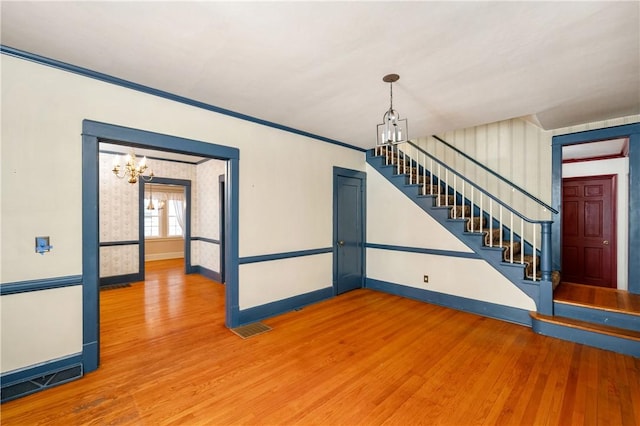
pixel 340 243
pixel 605 242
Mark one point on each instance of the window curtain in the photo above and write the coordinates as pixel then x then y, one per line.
pixel 179 207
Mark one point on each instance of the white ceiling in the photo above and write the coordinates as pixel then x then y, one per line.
pixel 596 150
pixel 318 66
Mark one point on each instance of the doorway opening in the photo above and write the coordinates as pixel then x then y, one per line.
pixel 93 134
pixel 610 152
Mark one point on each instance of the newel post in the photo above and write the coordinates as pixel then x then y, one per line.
pixel 545 251
pixel 545 302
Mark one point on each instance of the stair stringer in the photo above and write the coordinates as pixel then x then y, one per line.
pixel 474 240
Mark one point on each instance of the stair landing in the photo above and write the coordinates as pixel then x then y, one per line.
pixel 607 299
pixel 602 317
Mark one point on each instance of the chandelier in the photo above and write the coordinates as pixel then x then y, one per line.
pixel 151 206
pixel 392 130
pixel 132 170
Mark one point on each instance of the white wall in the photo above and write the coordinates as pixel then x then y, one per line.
pixel 620 168
pixel 394 219
pixel 285 187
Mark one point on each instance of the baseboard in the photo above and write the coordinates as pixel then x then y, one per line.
pixel 486 309
pixel 587 337
pixel 267 310
pixel 164 256
pixel 597 315
pixel 212 275
pixel 28 380
pixel 121 279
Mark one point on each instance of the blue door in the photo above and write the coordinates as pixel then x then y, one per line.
pixel 348 230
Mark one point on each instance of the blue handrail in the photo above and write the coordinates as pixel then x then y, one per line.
pixel 502 178
pixel 497 200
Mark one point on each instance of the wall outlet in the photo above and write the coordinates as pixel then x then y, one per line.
pixel 426 279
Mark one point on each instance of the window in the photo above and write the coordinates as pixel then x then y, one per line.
pixel 151 220
pixel 166 219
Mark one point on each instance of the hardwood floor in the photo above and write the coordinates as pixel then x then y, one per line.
pixel 606 298
pixel 360 358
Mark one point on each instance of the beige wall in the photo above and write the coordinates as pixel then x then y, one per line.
pixel 42 113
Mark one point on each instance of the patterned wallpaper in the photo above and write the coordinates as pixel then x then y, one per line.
pixel 119 211
pixel 207 217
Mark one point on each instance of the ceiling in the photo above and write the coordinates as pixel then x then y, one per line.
pixel 318 66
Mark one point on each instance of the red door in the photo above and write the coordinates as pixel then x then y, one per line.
pixel 588 230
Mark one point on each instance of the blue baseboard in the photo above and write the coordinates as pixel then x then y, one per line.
pixel 586 337
pixel 598 316
pixel 122 279
pixel 28 380
pixel 261 312
pixel 487 309
pixel 212 275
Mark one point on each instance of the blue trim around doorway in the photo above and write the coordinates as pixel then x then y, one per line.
pixel 92 133
pixel 187 221
pixel 632 131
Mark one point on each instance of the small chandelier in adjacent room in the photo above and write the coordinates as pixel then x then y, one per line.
pixel 392 130
pixel 132 169
pixel 150 206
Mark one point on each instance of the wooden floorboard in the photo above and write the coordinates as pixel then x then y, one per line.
pixel 600 297
pixel 360 358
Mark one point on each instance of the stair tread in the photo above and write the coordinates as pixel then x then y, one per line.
pixel 597 307
pixel 588 326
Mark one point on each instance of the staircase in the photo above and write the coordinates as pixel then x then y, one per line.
pixel 595 316
pixel 496 232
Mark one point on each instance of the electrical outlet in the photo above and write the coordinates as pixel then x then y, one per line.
pixel 426 279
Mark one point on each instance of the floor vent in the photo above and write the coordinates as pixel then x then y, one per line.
pixel 114 286
pixel 35 384
pixel 251 330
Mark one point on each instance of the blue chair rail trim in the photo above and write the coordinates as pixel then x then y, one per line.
pixel 285 305
pixel 40 284
pixel 486 309
pixel 206 240
pixel 119 243
pixel 286 255
pixel 437 252
pixel 161 93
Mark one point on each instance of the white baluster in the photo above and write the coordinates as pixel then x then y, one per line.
pixel 522 240
pixel 535 266
pixel 490 222
pixel 511 237
pixel 472 204
pixel 462 200
pixel 455 199
pixel 446 187
pixel 481 215
pixel 500 223
pixel 424 173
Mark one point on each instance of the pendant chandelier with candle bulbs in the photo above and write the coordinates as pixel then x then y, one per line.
pixel 392 130
pixel 132 169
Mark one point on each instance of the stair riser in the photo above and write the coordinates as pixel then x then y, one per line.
pixel 586 337
pixel 598 316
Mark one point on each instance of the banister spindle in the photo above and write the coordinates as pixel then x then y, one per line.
pixel 535 258
pixel 511 239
